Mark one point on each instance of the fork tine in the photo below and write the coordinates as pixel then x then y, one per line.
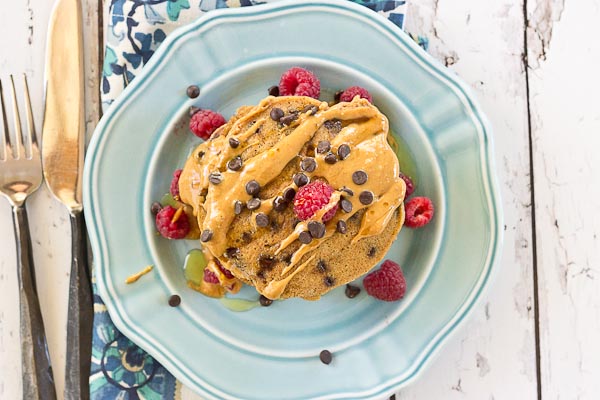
pixel 32 138
pixel 18 131
pixel 5 140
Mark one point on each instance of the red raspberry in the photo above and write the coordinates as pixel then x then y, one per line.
pixel 387 283
pixel 419 211
pixel 175 183
pixel 352 91
pixel 297 81
pixel 210 276
pixel 205 122
pixel 225 271
pixel 410 186
pixel 172 230
pixel 311 198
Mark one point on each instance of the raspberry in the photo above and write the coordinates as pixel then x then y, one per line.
pixel 205 122
pixel 297 81
pixel 210 276
pixel 410 186
pixel 311 198
pixel 172 230
pixel 387 283
pixel 352 91
pixel 419 211
pixel 175 183
pixel 225 271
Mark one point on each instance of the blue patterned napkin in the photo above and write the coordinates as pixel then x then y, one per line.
pixel 135 29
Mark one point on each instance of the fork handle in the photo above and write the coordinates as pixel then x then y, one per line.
pixel 80 316
pixel 38 381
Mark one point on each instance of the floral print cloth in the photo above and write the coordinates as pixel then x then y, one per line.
pixel 135 29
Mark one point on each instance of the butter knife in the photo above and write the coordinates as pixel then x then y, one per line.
pixel 63 141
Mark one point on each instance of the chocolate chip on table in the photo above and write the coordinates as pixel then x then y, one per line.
pixel 334 126
pixel 347 190
pixel 234 143
pixel 262 220
pixel 346 205
pixel 352 291
pixel 232 252
pixel 305 237
pixel 265 301
pixel 253 204
pixel 372 252
pixel 252 188
pixel 342 227
pixel 323 146
pixel 273 91
pixel 288 119
pixel 174 300
pixel 235 164
pixel 316 229
pixel 276 114
pixel 359 177
pixel 279 203
pixel 326 357
pixel 308 164
pixel 215 178
pixel 329 281
pixel 311 109
pixel 289 194
pixel 321 266
pixel 155 208
pixel 237 207
pixel 206 235
pixel 366 197
pixel 193 91
pixel 331 158
pixel 343 151
pixel 300 179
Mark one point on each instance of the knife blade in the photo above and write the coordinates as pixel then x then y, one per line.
pixel 63 141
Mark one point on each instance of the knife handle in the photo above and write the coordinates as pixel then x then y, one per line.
pixel 80 316
pixel 38 381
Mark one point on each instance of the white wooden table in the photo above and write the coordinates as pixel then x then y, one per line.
pixel 535 66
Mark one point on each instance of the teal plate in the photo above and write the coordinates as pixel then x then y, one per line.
pixel 273 353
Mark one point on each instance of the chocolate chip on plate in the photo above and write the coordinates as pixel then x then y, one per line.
pixel 235 164
pixel 343 151
pixel 308 164
pixel 342 227
pixel 289 194
pixel 273 91
pixel 337 96
pixel 174 300
pixel 155 208
pixel 300 179
pixel 234 143
pixel 329 281
pixel 352 291
pixel 252 188
pixel 359 177
pixel 346 205
pixel 323 146
pixel 253 204
pixel 279 203
pixel 331 158
pixel 193 91
pixel 316 229
pixel 215 178
pixel 206 235
pixel 276 114
pixel 366 197
pixel 326 357
pixel 237 207
pixel 265 301
pixel 193 110
pixel 288 119
pixel 305 237
pixel 262 220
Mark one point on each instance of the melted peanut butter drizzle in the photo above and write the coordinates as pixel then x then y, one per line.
pixel 370 152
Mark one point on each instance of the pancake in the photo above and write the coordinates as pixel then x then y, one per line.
pixel 261 246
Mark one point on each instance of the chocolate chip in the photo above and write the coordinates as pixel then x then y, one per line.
pixel 273 91
pixel 155 208
pixel 321 266
pixel 310 109
pixel 295 222
pixel 174 300
pixel 343 151
pixel 331 158
pixel 372 252
pixel 253 204
pixel 366 197
pixel 359 177
pixel 262 220
pixel 334 126
pixel 300 179
pixel 237 207
pixel 347 190
pixel 215 178
pixel 206 235
pixel 234 143
pixel 326 357
pixel 232 252
pixel 287 258
pixel 247 237
pixel 316 229
pixel 288 119
pixel 352 291
pixel 289 194
pixel 329 281
pixel 276 114
pixel 264 301
pixel 305 237
pixel 346 205
pixel 323 147
pixel 266 261
pixel 193 91
pixel 235 164
pixel 279 203
pixel 308 164
pixel 193 110
pixel 252 188
pixel 199 155
pixel 342 227
pixel 337 96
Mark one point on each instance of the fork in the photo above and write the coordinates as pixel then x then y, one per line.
pixel 21 175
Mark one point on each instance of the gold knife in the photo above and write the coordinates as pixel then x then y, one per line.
pixel 63 141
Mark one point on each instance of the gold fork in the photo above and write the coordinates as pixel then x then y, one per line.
pixel 21 175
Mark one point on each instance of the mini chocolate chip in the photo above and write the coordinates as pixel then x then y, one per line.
pixel 347 190
pixel 253 204
pixel 337 96
pixel 232 252
pixel 288 119
pixel 252 188
pixel 372 252
pixel 193 91
pixel 346 205
pixel 193 110
pixel 262 220
pixel 321 266
pixel 276 114
pixel 331 158
pixel 155 208
pixel 329 281
pixel 279 203
pixel 352 291
pixel 273 91
pixel 206 235
pixel 174 300
pixel 199 155
pixel 215 178
pixel 266 261
pixel 300 179
pixel 264 301
pixel 334 126
pixel 247 237
pixel 359 177
pixel 308 164
pixel 343 151
pixel 305 237
pixel 310 108
pixel 323 147
pixel 237 207
pixel 342 227
pixel 235 164
pixel 316 229
pixel 366 197
pixel 289 194
pixel 234 143
pixel 326 357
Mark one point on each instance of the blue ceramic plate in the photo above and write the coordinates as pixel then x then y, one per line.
pixel 272 353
